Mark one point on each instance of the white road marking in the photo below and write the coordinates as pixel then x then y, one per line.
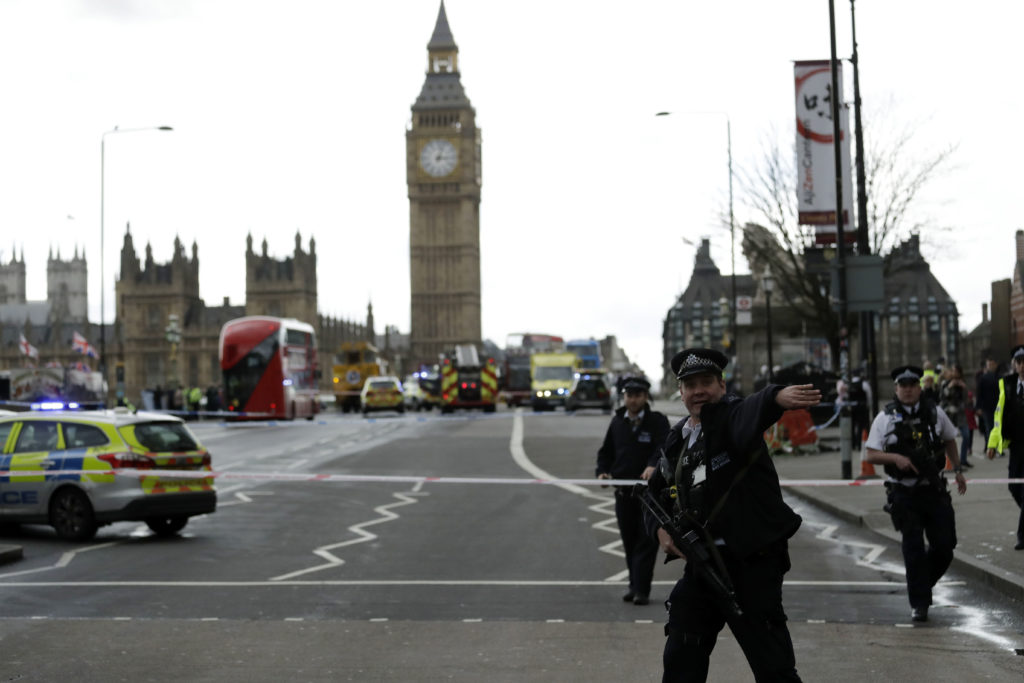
pixel 869 559
pixel 605 501
pixel 362 536
pixel 243 497
pixel 64 560
pixel 388 583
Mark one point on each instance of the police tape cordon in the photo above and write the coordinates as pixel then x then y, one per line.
pixel 412 479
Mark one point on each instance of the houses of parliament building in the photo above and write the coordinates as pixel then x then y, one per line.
pixel 147 294
pixel 443 175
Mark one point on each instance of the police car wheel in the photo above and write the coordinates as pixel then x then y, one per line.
pixel 71 515
pixel 167 526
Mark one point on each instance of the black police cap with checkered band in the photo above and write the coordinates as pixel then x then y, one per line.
pixel 690 362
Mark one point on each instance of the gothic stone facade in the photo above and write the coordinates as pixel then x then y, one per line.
pixel 444 179
pixel 47 325
pixel 919 320
pixel 148 293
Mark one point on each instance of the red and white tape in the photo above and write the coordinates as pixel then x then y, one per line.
pixel 415 479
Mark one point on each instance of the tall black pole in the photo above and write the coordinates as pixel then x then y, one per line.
pixel 844 359
pixel 768 324
pixel 732 246
pixel 867 318
pixel 102 361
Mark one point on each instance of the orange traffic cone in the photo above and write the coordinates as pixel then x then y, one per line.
pixel 867 470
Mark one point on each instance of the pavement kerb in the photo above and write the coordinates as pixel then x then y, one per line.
pixel 1006 582
pixel 10 553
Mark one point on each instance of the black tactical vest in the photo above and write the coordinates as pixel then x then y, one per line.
pixel 691 479
pixel 914 434
pixel 1013 408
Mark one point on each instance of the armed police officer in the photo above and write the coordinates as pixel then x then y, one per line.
pixel 717 477
pixel 630 451
pixel 912 438
pixel 1008 433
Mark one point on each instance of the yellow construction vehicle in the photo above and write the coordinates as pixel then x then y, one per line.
pixel 354 362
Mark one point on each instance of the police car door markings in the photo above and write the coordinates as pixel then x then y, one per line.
pixel 362 535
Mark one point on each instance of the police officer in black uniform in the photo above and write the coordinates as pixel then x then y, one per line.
pixel 912 438
pixel 718 477
pixel 630 451
pixel 1008 433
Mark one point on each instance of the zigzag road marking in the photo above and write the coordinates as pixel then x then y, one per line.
pixel 605 501
pixel 869 559
pixel 64 560
pixel 362 536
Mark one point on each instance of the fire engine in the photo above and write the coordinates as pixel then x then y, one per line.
pixel 466 382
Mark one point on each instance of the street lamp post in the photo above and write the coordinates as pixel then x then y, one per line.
pixel 103 179
pixel 173 335
pixel 768 284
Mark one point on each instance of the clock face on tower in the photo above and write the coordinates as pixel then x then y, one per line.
pixel 438 157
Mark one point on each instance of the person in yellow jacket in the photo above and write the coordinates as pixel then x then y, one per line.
pixel 195 395
pixel 1008 432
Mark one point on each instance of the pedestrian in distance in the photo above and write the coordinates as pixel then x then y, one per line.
pixel 987 390
pixel 953 400
pixel 972 424
pixel 719 481
pixel 1008 433
pixel 928 388
pixel 630 450
pixel 912 438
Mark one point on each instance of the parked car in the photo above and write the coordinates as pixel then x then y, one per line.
pixel 68 445
pixel 381 392
pixel 589 391
pixel 415 395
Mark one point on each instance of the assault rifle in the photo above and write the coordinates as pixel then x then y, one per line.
pixel 923 459
pixel 693 547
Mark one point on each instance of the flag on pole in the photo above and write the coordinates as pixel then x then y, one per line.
pixel 81 345
pixel 26 348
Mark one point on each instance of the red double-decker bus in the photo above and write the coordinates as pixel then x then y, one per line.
pixel 270 368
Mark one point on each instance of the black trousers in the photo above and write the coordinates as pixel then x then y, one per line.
pixel 641 550
pixel 696 616
pixel 1016 471
pixel 922 512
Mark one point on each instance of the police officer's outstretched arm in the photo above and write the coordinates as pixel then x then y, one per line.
pixel 798 396
pixel 760 411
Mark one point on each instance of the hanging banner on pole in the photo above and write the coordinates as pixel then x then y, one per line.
pixel 815 152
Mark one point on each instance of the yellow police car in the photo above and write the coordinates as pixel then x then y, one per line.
pixel 77 471
pixel 382 392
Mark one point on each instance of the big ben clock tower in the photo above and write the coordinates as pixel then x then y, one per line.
pixel 443 174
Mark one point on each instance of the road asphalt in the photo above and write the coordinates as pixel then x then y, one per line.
pixel 986 516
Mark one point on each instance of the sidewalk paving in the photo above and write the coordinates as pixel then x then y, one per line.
pixel 986 516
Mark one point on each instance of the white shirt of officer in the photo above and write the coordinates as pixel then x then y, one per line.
pixel 881 436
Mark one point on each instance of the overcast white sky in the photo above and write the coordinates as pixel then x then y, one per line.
pixel 292 115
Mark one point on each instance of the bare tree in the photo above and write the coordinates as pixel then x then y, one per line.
pixel 896 174
pixel 897 171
